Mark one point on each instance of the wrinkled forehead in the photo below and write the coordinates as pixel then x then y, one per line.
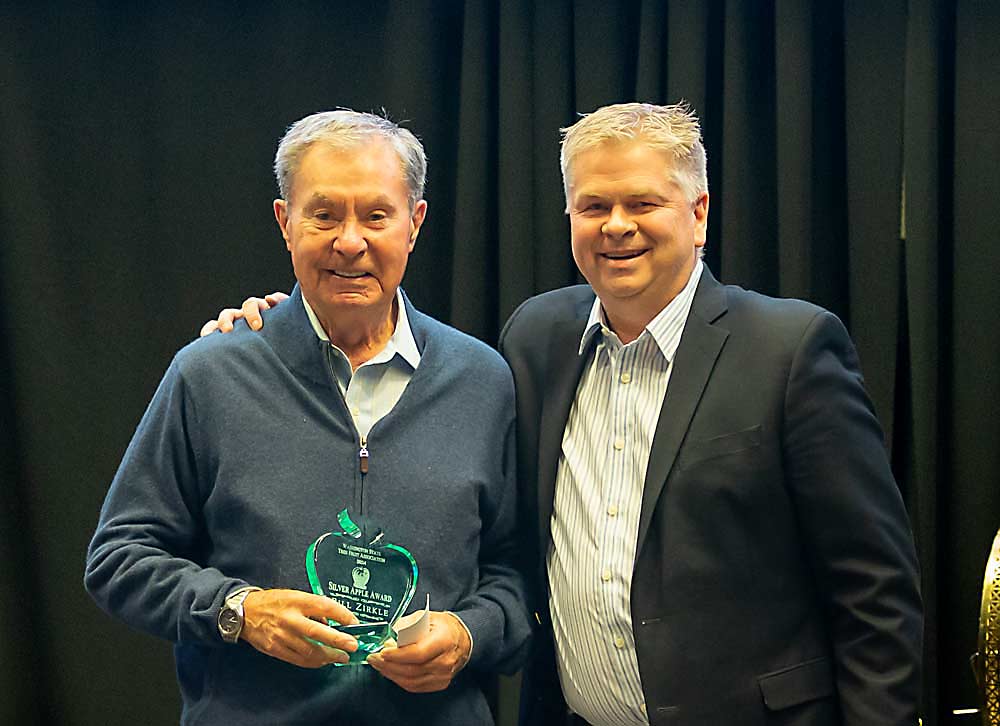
pixel 364 162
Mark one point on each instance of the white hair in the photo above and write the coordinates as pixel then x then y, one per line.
pixel 345 129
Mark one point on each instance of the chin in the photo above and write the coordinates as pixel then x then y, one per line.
pixel 620 288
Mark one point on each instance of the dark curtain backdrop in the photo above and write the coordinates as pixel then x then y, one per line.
pixel 854 160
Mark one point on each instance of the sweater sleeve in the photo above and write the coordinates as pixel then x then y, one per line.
pixel 143 561
pixel 496 613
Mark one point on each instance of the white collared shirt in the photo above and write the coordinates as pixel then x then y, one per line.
pixel 375 387
pixel 595 518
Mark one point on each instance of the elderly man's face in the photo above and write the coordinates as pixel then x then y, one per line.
pixel 349 229
pixel 635 232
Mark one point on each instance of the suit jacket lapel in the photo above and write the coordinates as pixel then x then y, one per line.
pixel 693 362
pixel 564 368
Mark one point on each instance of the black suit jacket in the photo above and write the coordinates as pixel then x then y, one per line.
pixel 775 579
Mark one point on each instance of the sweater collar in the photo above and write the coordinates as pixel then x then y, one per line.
pixel 401 342
pixel 289 332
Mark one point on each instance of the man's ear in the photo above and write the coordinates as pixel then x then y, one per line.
pixel 417 221
pixel 281 215
pixel 701 219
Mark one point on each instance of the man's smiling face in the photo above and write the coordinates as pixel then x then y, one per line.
pixel 635 232
pixel 349 228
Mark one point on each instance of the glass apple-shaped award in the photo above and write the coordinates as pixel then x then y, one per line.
pixel 372 578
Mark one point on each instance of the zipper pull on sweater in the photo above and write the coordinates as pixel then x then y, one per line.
pixel 363 455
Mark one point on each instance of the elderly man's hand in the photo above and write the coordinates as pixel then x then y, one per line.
pixel 429 664
pixel 283 624
pixel 251 310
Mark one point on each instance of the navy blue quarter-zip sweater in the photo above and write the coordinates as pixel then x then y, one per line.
pixel 246 454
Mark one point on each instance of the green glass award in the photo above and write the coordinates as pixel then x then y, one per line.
pixel 372 578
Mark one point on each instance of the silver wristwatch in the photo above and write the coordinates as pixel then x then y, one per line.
pixel 231 615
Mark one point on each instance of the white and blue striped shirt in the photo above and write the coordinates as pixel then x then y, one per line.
pixel 595 519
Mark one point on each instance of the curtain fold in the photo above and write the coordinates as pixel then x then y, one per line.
pixel 874 57
pixel 971 354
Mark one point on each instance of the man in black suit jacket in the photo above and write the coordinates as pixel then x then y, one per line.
pixel 774 578
pixel 717 536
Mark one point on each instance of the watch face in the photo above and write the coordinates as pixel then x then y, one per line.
pixel 229 621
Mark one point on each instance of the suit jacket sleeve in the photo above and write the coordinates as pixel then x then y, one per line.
pixel 852 517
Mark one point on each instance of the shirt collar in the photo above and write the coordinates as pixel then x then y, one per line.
pixel 401 342
pixel 665 328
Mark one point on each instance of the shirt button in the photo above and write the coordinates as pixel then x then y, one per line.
pixel 619 444
pixel 612 510
pixel 619 642
pixel 625 378
pixel 642 707
pixel 606 574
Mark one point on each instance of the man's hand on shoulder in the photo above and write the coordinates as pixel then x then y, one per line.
pixel 429 664
pixel 291 625
pixel 250 310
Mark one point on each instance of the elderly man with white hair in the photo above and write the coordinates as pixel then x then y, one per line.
pixel 349 399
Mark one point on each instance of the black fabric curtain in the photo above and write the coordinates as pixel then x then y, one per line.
pixel 854 160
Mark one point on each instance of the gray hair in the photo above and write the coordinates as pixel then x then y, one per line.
pixel 671 129
pixel 346 129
